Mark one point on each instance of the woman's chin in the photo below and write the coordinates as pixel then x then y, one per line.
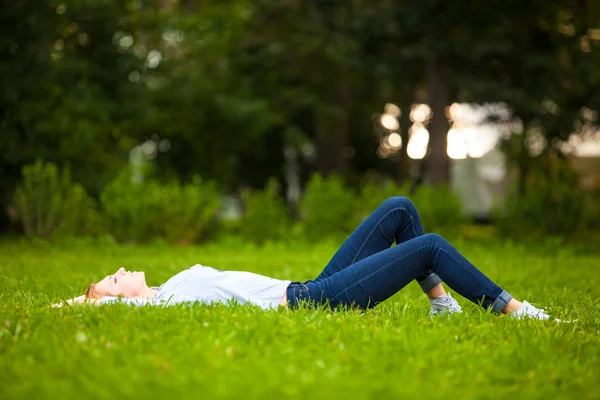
pixel 142 278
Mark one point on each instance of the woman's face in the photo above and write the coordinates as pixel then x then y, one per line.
pixel 122 283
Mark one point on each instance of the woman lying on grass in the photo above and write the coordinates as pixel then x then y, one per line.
pixel 364 272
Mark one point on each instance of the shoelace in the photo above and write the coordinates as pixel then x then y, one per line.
pixel 448 304
pixel 538 312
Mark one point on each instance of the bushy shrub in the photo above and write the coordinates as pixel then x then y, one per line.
pixel 551 204
pixel 50 204
pixel 327 208
pixel 266 216
pixel 149 210
pixel 439 208
pixel 121 201
pixel 189 209
pixel 372 194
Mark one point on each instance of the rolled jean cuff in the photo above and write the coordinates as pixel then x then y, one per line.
pixel 297 292
pixel 501 301
pixel 430 282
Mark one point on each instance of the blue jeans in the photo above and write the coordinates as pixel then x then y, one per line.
pixel 365 271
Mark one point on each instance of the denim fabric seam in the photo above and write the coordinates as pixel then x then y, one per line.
pixel 371 274
pixel 466 270
pixel 412 225
pixel 405 255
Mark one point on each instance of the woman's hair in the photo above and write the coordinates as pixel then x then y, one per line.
pixel 91 292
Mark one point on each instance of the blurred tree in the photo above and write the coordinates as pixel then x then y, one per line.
pixel 64 93
pixel 431 44
pixel 546 71
pixel 223 87
pixel 200 101
pixel 311 59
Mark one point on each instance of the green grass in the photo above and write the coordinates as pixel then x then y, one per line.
pixel 242 352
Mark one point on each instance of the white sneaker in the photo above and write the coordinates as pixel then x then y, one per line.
pixel 529 311
pixel 444 305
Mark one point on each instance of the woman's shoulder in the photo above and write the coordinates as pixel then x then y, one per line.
pixel 203 268
pixel 193 271
pixel 189 279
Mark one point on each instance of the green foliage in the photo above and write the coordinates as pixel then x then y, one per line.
pixel 266 215
pixel 64 90
pixel 150 210
pixel 224 81
pixel 551 204
pixel 327 208
pixel 189 209
pixel 50 204
pixel 125 207
pixel 439 208
pixel 221 119
pixel 372 194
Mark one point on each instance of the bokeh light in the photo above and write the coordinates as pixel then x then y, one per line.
pixel 536 142
pixel 589 115
pixel 126 41
pixel 455 112
pixel 134 76
pixel 154 58
pixel 164 145
pixel 420 113
pixel 149 148
pixel 418 142
pixel 457 146
pixel 393 109
pixel 83 39
pixel 388 121
pixel 395 140
pixel 173 36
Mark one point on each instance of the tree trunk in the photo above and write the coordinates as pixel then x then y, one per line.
pixel 402 170
pixel 437 163
pixel 332 136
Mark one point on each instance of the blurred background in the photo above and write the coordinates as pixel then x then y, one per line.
pixel 189 121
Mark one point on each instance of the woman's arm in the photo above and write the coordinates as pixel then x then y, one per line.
pixel 133 301
pixel 77 300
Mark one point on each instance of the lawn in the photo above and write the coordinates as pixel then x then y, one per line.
pixel 242 352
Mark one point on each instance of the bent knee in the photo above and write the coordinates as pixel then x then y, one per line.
pixel 399 202
pixel 435 238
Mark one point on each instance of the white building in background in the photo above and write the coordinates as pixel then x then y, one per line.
pixel 479 172
pixel 480 182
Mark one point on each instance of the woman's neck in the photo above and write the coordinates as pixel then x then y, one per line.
pixel 148 293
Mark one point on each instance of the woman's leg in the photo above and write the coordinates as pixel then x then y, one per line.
pixel 396 219
pixel 379 276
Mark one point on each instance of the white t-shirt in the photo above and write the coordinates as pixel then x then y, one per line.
pixel 208 285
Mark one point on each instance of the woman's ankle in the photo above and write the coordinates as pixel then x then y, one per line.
pixel 436 292
pixel 512 305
